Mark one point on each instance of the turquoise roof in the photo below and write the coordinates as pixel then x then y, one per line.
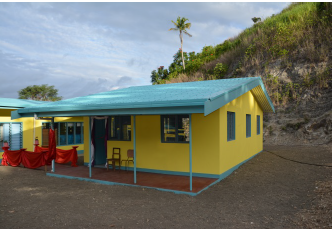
pixel 199 96
pixel 9 103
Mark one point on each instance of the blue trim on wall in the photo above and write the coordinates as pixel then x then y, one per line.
pixel 219 177
pixel 206 175
pixel 80 151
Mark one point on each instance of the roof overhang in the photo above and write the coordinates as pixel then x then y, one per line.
pixel 256 87
pixel 8 107
pixel 129 111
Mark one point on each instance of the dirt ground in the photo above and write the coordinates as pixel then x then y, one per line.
pixel 266 192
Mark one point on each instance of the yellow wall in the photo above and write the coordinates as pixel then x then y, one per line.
pixel 212 153
pixel 152 154
pixel 28 133
pixel 242 148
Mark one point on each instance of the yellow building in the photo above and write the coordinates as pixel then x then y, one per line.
pixel 22 132
pixel 204 128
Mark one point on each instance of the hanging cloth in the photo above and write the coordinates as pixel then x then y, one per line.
pixel 51 147
pixel 93 137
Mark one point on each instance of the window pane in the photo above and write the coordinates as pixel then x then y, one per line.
pixel 258 124
pixel 1 136
pixel 126 128
pixel 111 124
pixel 45 133
pixel 70 133
pixel 78 136
pixel 56 129
pixel 82 129
pixel 119 128
pixel 230 126
pixel 169 129
pixel 63 133
pixel 16 134
pixel 114 127
pixel 183 128
pixel 248 125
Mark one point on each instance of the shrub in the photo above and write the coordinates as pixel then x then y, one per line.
pixel 220 70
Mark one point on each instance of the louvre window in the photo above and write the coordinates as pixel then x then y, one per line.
pixel 230 126
pixel 12 133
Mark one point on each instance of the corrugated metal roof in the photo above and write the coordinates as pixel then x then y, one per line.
pixel 10 103
pixel 165 95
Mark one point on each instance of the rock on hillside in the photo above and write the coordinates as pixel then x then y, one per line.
pixel 307 117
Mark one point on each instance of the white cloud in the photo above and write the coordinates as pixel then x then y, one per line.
pixel 85 48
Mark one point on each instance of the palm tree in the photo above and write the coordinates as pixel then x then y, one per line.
pixel 181 25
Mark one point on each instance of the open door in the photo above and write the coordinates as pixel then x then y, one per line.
pixel 99 135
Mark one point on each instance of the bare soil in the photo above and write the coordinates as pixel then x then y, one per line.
pixel 266 192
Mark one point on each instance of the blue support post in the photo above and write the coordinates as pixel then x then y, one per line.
pixel 190 154
pixel 90 147
pixel 134 129
pixel 53 162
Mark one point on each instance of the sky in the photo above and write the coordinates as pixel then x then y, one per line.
pixel 86 48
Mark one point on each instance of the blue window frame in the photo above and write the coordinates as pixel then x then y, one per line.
pixel 119 128
pixel 248 125
pixel 12 133
pixel 66 133
pixel 230 126
pixel 175 128
pixel 258 124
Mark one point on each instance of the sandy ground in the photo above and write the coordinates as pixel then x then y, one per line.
pixel 266 192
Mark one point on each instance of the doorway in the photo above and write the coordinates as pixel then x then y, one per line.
pixel 99 135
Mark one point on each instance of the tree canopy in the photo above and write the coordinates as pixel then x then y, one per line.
pixel 39 92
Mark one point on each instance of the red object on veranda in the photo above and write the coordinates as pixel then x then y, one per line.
pixel 51 147
pixel 63 156
pixel 33 160
pixel 13 157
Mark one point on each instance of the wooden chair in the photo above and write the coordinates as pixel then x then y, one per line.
pixel 116 157
pixel 130 157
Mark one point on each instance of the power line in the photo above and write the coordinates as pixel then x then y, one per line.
pixel 300 162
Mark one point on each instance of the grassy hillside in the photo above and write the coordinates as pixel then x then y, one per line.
pixel 291 51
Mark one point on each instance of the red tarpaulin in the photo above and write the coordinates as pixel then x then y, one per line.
pixel 13 157
pixel 51 147
pixel 29 159
pixel 62 156
pixel 33 160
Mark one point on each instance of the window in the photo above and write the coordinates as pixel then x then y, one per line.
pixel 230 126
pixel 175 128
pixel 66 133
pixel 63 133
pixel 119 128
pixel 258 124
pixel 12 133
pixel 248 125
pixel 78 132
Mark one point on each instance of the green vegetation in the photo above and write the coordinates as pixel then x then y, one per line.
pixel 300 33
pixel 39 92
